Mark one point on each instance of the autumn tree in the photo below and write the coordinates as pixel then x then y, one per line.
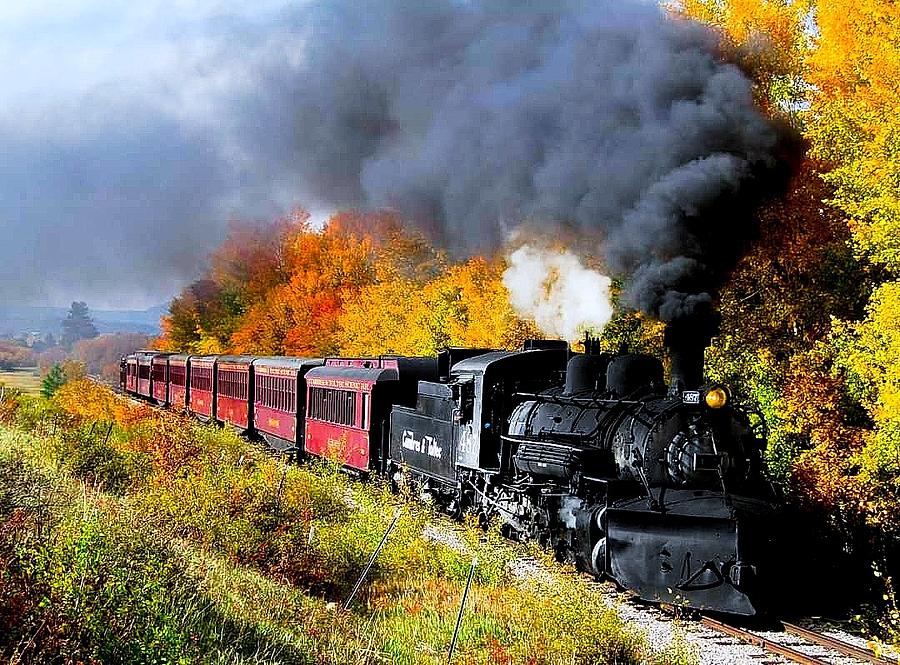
pixel 854 126
pixel 14 355
pixel 768 39
pixel 382 319
pixel 300 317
pixel 398 251
pixel 469 306
pixel 251 261
pixel 199 320
pixel 855 71
pixel 243 271
pixel 466 305
pixel 101 354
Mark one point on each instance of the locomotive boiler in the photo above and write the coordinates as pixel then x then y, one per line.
pixel 657 486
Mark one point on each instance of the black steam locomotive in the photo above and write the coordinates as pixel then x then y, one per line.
pixel 656 486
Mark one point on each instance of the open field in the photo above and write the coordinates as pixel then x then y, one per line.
pixel 26 379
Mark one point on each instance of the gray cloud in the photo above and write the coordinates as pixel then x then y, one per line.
pixel 120 164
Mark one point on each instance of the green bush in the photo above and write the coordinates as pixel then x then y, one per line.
pixel 103 587
pixel 87 454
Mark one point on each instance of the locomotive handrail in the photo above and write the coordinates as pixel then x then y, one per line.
pixel 653 503
pixel 561 399
pixel 515 438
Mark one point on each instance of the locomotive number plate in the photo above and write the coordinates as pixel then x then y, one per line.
pixel 690 396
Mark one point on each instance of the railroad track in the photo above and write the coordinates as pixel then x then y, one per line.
pixel 804 641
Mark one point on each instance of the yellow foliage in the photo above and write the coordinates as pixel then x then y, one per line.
pixel 768 38
pixel 479 313
pixel 88 401
pixel 465 306
pixel 855 71
pixel 382 320
pixel 869 353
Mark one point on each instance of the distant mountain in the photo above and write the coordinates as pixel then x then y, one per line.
pixel 15 321
pixel 146 320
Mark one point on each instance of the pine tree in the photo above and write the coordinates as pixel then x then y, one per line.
pixel 55 379
pixel 78 325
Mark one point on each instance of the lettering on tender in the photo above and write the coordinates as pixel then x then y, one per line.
pixel 427 445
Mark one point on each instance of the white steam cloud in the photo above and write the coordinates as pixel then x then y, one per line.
pixel 561 294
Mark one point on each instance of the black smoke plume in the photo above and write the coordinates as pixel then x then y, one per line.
pixel 605 116
pixel 471 117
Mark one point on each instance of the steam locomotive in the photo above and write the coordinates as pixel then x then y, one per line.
pixel 658 487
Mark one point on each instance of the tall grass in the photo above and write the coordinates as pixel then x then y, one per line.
pixel 163 540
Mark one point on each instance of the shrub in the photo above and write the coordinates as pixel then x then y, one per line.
pixel 186 541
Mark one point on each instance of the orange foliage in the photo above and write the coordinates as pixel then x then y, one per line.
pixel 824 472
pixel 9 404
pixel 361 285
pixel 857 53
pixel 300 317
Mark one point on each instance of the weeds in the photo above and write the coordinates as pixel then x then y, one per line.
pixel 163 540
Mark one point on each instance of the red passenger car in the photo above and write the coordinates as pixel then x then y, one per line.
pixel 202 377
pixel 131 373
pixel 159 378
pixel 178 388
pixel 349 401
pixel 144 362
pixel 279 400
pixel 234 385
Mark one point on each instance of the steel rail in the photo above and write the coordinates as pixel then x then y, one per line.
pixel 767 644
pixel 844 648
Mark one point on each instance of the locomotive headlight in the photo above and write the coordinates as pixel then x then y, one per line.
pixel 716 398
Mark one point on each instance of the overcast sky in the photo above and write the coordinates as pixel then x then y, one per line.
pixel 123 135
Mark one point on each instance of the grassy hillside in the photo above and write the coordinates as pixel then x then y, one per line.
pixel 133 536
pixel 27 380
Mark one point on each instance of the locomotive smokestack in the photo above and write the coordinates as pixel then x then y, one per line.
pixel 687 340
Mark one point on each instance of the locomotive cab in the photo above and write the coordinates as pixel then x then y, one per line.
pixel 459 423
